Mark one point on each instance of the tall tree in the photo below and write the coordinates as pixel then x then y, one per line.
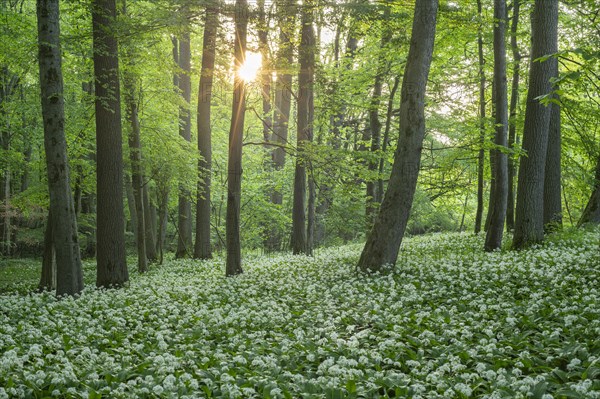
pixel 135 151
pixel 63 222
pixel 552 172
pixel 202 248
pixel 529 212
pixel 304 121
pixel 110 230
pixel 512 121
pixel 591 213
pixel 266 77
pixel 493 239
pixel 48 277
pixel 482 135
pixel 184 224
pixel 373 194
pixel 286 9
pixel 234 168
pixel 383 242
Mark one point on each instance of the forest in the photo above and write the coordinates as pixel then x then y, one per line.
pixel 299 199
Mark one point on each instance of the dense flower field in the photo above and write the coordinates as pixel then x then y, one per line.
pixel 450 322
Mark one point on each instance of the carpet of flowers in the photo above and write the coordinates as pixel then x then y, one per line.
pixel 449 322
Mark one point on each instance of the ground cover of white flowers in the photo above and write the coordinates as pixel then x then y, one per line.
pixel 450 322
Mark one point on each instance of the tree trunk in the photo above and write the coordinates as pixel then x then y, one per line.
pixel 163 219
pixel 8 85
pixel 131 224
pixel 135 157
pixel 184 238
pixel 373 195
pixel 283 101
pixel 383 242
pixel 149 224
pixel 529 215
pixel 265 77
pixel 48 278
pixel 306 59
pixel 63 223
pixel 493 239
pixel 202 248
pixel 512 121
pixel 386 137
pixel 234 168
pixel 110 230
pixel 481 156
pixel 591 213
pixel 552 175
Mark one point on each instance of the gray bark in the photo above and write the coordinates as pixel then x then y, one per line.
pixel 202 247
pixel 184 221
pixel 383 242
pixel 137 180
pixel 495 231
pixel 48 277
pixel 512 121
pixel 282 103
pixel 110 230
pixel 63 222
pixel 552 174
pixel 234 167
pixel 306 59
pixel 373 194
pixel 481 155
pixel 529 212
pixel 591 213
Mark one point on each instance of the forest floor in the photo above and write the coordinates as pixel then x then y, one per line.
pixel 450 321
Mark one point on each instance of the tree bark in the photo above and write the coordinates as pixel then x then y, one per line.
pixel 383 242
pixel 304 123
pixel 591 213
pixel 184 223
pixel 481 155
pixel 135 157
pixel 234 168
pixel 110 230
pixel 265 76
pixel 283 101
pixel 48 278
pixel 63 223
pixel 552 174
pixel 373 194
pixel 386 136
pixel 529 215
pixel 163 218
pixel 495 231
pixel 512 121
pixel 150 224
pixel 202 247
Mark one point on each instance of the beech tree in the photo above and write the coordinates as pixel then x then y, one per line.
pixel 234 167
pixel 383 242
pixel 497 209
pixel 202 248
pixel 62 223
pixel 286 10
pixel 529 212
pixel 482 135
pixel 130 89
pixel 591 213
pixel 306 59
pixel 110 230
pixel 184 225
pixel 512 121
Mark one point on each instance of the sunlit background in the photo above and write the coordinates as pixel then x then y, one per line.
pixel 249 70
